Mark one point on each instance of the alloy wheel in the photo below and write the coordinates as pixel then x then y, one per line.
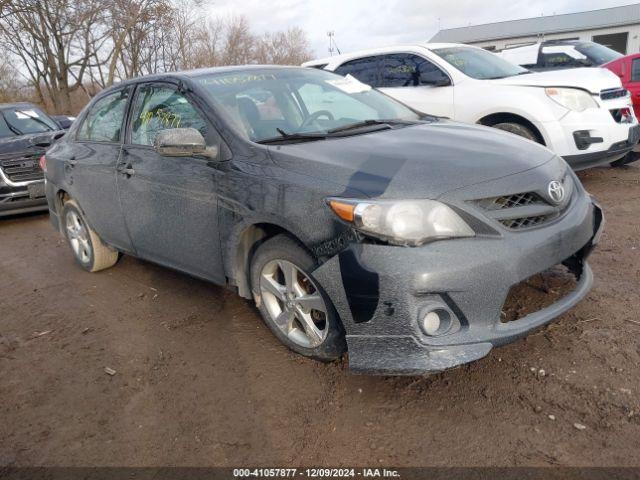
pixel 294 303
pixel 78 237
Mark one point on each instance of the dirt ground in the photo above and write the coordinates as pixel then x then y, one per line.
pixel 200 381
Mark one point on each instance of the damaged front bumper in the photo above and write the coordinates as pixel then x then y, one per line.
pixel 381 292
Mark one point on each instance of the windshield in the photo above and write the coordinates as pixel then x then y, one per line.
pixel 597 54
pixel 269 103
pixel 478 63
pixel 24 121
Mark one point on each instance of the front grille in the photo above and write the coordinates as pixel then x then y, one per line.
pixel 520 211
pixel 510 201
pixel 524 222
pixel 622 115
pixel 22 167
pixel 613 93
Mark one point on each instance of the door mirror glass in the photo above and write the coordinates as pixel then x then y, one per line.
pixel 183 142
pixel 441 82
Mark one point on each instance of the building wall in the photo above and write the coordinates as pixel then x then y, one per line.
pixel 633 39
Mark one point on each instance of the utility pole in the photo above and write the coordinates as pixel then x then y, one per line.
pixel 333 47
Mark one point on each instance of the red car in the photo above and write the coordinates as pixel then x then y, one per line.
pixel 628 69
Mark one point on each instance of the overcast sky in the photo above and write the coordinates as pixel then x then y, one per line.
pixel 370 23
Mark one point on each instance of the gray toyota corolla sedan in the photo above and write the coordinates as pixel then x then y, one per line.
pixel 354 222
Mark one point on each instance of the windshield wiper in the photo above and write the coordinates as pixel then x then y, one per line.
pixel 336 132
pixel 285 136
pixel 42 122
pixel 368 123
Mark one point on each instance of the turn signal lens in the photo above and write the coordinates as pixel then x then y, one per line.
pixel 343 210
pixel 43 163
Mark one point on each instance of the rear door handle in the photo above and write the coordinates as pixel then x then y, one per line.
pixel 72 161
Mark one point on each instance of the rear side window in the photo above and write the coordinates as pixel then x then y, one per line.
pixel 162 107
pixel 103 122
pixel 635 70
pixel 408 70
pixel 364 69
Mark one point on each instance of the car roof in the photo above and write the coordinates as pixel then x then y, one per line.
pixel 189 74
pixel 6 106
pixel 382 50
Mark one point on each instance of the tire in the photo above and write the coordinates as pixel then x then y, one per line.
pixel 517 129
pixel 88 249
pixel 282 307
pixel 626 160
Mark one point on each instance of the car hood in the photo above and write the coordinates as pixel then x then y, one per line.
pixel 593 80
pixel 35 142
pixel 421 161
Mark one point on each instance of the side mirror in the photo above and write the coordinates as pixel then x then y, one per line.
pixel 63 121
pixel 183 142
pixel 441 82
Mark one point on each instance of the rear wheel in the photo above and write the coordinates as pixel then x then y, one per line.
pixel 88 250
pixel 292 303
pixel 517 129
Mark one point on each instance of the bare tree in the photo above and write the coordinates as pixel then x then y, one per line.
pixel 56 41
pixel 70 49
pixel 238 42
pixel 11 89
pixel 290 47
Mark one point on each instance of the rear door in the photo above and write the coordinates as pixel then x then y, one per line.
pixel 170 203
pixel 90 166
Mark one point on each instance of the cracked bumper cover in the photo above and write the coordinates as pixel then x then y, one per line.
pixel 379 291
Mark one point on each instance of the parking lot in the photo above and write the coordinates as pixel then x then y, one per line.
pixel 200 381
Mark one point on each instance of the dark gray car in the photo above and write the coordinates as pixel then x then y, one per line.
pixel 353 221
pixel 25 134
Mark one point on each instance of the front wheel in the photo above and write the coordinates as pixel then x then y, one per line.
pixel 292 303
pixel 626 160
pixel 517 129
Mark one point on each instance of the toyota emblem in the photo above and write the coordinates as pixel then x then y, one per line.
pixel 556 191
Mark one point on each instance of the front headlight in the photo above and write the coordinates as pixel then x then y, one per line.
pixel 571 98
pixel 403 222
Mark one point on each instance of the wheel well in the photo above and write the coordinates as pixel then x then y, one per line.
pixel 495 118
pixel 61 198
pixel 248 242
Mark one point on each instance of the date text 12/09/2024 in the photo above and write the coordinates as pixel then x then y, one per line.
pixel 315 473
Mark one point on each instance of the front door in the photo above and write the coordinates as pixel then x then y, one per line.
pixel 417 82
pixel 170 203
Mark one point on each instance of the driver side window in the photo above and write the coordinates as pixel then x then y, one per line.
pixel 162 107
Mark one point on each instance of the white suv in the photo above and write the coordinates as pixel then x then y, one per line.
pixel 583 115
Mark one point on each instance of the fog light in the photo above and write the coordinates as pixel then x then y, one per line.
pixel 431 323
pixel 435 320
